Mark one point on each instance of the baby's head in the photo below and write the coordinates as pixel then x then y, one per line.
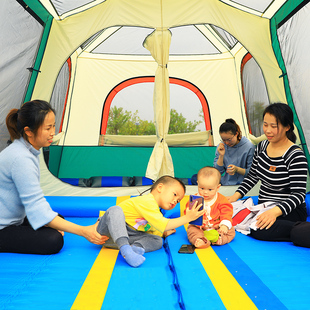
pixel 208 180
pixel 168 191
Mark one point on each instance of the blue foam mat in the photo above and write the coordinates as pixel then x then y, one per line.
pixel 275 275
pixel 53 281
pixel 196 287
pixel 47 281
pixel 281 266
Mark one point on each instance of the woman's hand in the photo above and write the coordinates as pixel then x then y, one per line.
pixel 88 232
pixel 91 234
pixel 221 149
pixel 234 197
pixel 267 219
pixel 232 169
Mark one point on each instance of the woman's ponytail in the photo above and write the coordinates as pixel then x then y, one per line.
pixel 11 123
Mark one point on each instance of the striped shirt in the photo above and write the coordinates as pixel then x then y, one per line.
pixel 283 179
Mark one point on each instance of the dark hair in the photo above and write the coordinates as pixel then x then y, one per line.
pixel 232 126
pixel 208 171
pixel 284 115
pixel 31 114
pixel 167 179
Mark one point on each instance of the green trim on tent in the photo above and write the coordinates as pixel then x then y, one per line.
pixel 39 9
pixel 47 18
pixel 90 161
pixel 287 9
pixel 278 18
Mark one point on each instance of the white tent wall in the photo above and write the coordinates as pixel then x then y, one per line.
pixel 216 78
pixel 22 32
pixel 94 79
pixel 69 31
pixel 205 72
pixel 68 34
pixel 99 76
pixel 297 62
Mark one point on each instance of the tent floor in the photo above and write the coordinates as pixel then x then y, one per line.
pixel 245 274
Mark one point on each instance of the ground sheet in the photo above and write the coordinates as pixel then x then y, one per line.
pixel 245 274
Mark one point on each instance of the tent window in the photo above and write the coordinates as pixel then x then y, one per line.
pixel 128 109
pixel 257 5
pixel 68 5
pixel 186 40
pixel 254 93
pixel 59 95
pixel 230 40
pixel 124 41
pixel 294 41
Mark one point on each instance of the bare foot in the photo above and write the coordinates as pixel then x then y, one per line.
pixel 202 243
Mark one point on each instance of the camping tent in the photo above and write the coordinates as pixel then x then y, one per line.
pixel 207 60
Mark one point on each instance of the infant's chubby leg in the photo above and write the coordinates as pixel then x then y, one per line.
pixel 196 237
pixel 224 239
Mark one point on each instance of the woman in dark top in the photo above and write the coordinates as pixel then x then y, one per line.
pixel 281 166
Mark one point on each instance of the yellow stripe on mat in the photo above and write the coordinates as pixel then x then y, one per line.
pixel 229 290
pixel 92 293
pixel 231 293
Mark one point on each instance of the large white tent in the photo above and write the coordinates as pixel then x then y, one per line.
pixel 218 59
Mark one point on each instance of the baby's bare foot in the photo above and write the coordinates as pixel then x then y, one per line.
pixel 202 243
pixel 199 243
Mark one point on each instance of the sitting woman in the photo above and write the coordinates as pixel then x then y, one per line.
pixel 27 223
pixel 233 156
pixel 281 166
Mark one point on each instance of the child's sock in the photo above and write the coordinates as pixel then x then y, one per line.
pixel 138 249
pixel 133 259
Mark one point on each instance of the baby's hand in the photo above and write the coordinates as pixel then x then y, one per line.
pixel 223 230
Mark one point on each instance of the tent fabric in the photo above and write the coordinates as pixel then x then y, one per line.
pixel 209 43
pixel 18 29
pixel 192 138
pixel 160 163
pixel 297 63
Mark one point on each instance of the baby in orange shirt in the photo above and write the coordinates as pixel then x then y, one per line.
pixel 217 220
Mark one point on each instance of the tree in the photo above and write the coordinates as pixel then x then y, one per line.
pixel 123 122
pixel 117 119
pixel 178 123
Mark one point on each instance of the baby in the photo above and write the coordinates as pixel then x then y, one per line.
pixel 217 219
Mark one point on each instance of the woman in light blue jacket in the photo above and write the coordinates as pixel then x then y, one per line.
pixel 233 156
pixel 27 222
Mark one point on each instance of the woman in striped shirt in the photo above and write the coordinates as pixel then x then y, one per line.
pixel 281 166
